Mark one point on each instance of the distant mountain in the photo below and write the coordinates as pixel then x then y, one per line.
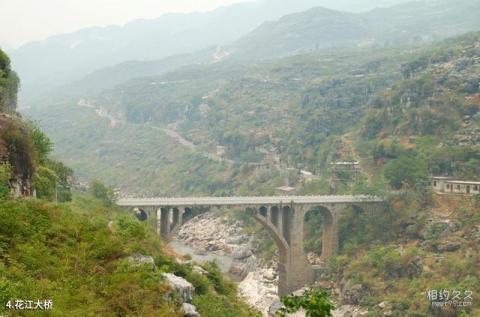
pixel 319 28
pixel 314 29
pixel 60 59
pixel 111 76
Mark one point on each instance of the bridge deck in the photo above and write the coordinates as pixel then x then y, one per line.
pixel 253 200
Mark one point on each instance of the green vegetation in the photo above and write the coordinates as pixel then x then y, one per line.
pixel 315 303
pixel 405 171
pixel 9 83
pixel 5 175
pixel 79 253
pixel 404 113
pixel 102 192
pixel 71 255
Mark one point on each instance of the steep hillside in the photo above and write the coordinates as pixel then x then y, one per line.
pixel 17 152
pixel 438 95
pixel 209 104
pixel 87 257
pixel 287 112
pixel 91 260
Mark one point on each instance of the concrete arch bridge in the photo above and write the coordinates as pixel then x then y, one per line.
pixel 283 217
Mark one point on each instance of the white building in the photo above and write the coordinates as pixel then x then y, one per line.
pixel 451 186
pixel 438 183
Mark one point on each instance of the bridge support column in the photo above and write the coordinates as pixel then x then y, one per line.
pixel 165 221
pixel 158 223
pixel 330 239
pixel 180 216
pixel 280 221
pixel 174 219
pixel 294 270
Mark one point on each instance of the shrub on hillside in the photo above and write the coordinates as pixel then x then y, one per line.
pixel 101 192
pixel 406 171
pixel 5 175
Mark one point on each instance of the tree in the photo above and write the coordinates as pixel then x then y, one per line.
pixel 64 175
pixel 315 302
pixel 406 170
pixel 41 143
pixel 45 181
pixel 102 192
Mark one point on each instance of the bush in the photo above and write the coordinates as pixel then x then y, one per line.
pixel 316 303
pixel 102 192
pixel 383 259
pixel 5 175
pixel 221 284
pixel 406 171
pixel 45 182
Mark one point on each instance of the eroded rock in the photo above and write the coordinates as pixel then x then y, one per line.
pixel 140 259
pixel 189 310
pixel 184 288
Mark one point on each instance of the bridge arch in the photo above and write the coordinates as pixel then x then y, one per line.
pixel 316 222
pixel 164 220
pixel 187 214
pixel 140 214
pixel 263 211
pixel 275 217
pixel 282 245
pixel 175 218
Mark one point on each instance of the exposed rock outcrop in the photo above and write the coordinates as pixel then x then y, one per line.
pixel 208 232
pixel 140 259
pixel 189 310
pixel 259 288
pixel 184 288
pixel 16 149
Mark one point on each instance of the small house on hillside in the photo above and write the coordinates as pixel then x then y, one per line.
pixel 438 183
pixel 285 190
pixel 450 186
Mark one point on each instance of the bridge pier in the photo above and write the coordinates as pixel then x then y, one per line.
pixel 330 239
pixel 158 223
pixel 287 231
pixel 295 272
pixel 165 221
pixel 168 219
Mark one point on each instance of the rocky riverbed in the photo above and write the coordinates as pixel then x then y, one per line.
pixel 213 236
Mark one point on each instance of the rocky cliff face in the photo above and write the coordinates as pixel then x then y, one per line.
pixel 16 150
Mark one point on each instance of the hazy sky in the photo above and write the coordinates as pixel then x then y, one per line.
pixel 26 20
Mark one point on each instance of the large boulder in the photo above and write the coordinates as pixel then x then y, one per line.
pixel 241 268
pixel 189 310
pixel 242 252
pixel 184 288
